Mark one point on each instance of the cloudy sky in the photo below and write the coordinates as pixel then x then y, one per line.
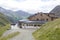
pixel 30 6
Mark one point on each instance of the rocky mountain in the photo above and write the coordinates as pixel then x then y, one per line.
pixel 56 10
pixel 14 16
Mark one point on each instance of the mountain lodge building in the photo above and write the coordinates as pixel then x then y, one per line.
pixel 43 17
pixel 37 20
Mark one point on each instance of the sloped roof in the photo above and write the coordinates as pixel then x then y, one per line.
pixel 50 14
pixel 33 22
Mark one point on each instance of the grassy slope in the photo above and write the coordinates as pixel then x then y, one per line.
pixel 49 31
pixel 4 24
pixel 10 36
pixel 3 20
pixel 3 29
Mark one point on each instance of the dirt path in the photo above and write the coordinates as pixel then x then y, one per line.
pixel 25 34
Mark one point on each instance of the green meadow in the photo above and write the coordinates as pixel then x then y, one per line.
pixel 48 31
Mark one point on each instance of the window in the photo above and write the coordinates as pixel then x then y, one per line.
pixel 35 25
pixel 46 19
pixel 27 24
pixel 41 14
pixel 37 19
pixel 39 25
pixel 52 18
pixel 48 14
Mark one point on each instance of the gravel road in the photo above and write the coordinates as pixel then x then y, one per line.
pixel 25 34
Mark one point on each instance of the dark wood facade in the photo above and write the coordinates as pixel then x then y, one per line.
pixel 43 17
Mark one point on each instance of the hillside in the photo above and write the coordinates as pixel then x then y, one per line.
pixel 14 16
pixel 48 31
pixel 3 20
pixel 56 10
pixel 4 24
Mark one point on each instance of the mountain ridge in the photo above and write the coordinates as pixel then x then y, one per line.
pixel 15 15
pixel 56 11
